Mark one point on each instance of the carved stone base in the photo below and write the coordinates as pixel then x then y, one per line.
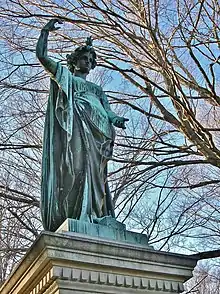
pixel 78 264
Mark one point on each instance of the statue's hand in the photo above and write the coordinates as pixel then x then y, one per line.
pixel 119 122
pixel 50 26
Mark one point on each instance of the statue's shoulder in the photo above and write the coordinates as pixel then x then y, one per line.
pixel 62 71
pixel 95 86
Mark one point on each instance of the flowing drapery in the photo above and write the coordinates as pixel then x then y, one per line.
pixel 78 142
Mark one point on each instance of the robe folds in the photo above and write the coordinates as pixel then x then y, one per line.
pixel 78 142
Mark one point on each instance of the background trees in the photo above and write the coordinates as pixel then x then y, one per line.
pixel 159 65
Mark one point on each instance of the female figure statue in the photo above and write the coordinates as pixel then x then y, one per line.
pixel 78 139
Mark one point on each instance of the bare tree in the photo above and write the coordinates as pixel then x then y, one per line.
pixel 206 279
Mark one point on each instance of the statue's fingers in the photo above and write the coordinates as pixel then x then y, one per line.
pixel 126 119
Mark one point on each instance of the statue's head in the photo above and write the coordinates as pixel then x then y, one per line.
pixel 86 51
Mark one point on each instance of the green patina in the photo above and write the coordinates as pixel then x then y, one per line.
pixel 78 140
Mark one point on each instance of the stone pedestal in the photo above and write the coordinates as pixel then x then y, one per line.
pixel 77 263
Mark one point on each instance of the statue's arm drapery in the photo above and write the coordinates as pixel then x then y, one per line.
pixel 107 107
pixel 64 104
pixel 56 148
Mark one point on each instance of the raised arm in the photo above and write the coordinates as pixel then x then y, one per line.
pixel 41 49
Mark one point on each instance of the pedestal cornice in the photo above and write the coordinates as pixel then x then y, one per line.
pixel 58 263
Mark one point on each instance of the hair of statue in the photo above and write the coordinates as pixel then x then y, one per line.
pixel 75 55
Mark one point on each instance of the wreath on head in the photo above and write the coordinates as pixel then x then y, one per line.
pixel 74 56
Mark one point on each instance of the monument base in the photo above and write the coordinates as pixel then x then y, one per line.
pixel 104 228
pixel 75 263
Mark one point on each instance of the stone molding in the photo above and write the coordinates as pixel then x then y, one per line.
pixel 74 263
pixel 103 278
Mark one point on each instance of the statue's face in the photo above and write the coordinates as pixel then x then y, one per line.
pixel 84 63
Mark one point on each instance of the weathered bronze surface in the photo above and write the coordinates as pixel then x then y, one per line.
pixel 78 139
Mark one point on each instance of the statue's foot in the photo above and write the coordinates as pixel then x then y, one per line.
pixel 100 220
pixel 109 221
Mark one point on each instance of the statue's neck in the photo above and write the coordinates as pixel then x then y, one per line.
pixel 80 74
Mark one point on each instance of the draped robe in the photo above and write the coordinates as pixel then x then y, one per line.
pixel 78 142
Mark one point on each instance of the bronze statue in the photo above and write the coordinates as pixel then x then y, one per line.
pixel 78 139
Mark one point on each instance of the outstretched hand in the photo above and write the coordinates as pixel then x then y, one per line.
pixel 119 122
pixel 50 26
